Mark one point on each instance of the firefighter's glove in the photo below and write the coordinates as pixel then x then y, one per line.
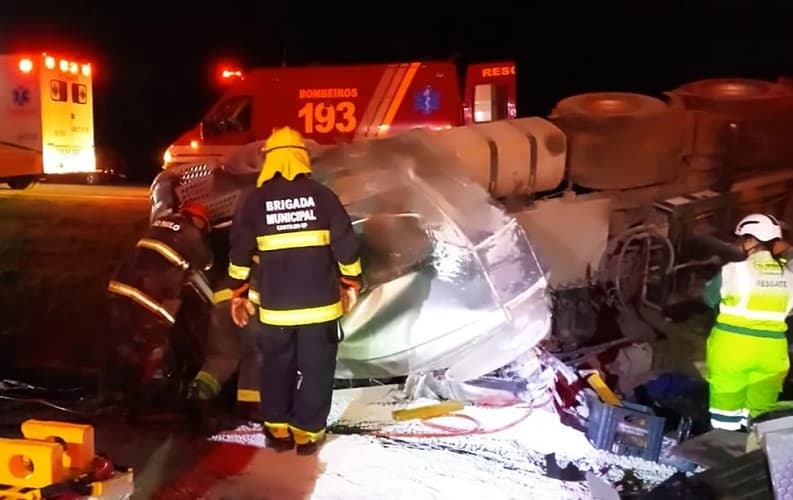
pixel 241 311
pixel 349 297
pixel 349 289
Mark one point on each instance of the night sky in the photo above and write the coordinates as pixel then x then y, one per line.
pixel 155 61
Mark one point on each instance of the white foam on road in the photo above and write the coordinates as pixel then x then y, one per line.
pixel 505 464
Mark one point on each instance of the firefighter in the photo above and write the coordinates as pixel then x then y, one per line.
pixel 747 353
pixel 145 292
pixel 229 349
pixel 308 256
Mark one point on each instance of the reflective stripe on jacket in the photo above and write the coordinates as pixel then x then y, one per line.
pixel 756 296
pixel 226 294
pixel 305 243
pixel 143 299
pixel 155 271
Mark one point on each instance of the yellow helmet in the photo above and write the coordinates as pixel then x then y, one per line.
pixel 285 153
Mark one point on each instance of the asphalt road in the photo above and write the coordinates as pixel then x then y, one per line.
pixel 79 192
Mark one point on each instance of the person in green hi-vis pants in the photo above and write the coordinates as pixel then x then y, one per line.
pixel 747 351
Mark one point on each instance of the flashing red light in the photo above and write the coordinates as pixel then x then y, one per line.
pixel 64 65
pixel 49 62
pixel 231 73
pixel 86 70
pixel 73 68
pixel 25 65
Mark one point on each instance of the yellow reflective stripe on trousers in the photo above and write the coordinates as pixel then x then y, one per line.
pixel 239 272
pixel 305 437
pixel 141 298
pixel 222 295
pixel 296 239
pixel 277 429
pixel 296 317
pixel 167 252
pixel 353 269
pixel 254 297
pixel 248 396
pixel 210 380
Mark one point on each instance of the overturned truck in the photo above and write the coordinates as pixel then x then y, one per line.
pixel 466 231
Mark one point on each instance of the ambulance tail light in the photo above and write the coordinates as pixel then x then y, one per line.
pixel 49 62
pixel 86 68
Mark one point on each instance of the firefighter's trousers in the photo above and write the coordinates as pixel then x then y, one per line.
pixel 298 366
pixel 224 345
pixel 136 349
pixel 745 374
pixel 228 348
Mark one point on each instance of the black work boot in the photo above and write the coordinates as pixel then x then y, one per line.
pixel 309 448
pixel 312 445
pixel 279 444
pixel 199 409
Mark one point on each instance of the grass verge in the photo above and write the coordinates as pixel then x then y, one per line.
pixel 56 256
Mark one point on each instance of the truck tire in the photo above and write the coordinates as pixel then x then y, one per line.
pixel 20 182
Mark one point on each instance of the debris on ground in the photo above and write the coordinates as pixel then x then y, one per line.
pixel 497 450
pixel 569 473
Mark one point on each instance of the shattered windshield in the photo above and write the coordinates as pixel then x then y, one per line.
pixel 230 115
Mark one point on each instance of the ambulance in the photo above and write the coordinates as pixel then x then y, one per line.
pixel 334 104
pixel 47 125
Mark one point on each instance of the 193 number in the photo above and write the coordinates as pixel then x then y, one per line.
pixel 323 118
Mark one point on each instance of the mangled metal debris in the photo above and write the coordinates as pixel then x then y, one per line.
pixel 454 287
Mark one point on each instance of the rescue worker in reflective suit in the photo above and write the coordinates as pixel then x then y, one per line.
pixel 229 348
pixel 309 275
pixel 747 350
pixel 145 292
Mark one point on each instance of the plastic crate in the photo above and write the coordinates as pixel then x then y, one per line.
pixel 630 430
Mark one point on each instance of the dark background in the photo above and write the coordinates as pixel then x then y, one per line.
pixel 155 63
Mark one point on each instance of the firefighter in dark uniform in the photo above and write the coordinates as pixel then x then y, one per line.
pixel 229 349
pixel 145 292
pixel 309 275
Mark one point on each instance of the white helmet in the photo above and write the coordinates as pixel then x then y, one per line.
pixel 763 227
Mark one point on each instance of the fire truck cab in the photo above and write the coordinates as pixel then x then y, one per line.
pixel 333 104
pixel 47 124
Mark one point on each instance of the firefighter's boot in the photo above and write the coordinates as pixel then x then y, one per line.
pixel 308 442
pixel 309 448
pixel 199 408
pixel 278 437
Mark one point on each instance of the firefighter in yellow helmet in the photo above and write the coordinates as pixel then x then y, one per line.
pixel 308 261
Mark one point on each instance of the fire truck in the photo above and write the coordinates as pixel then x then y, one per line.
pixel 335 104
pixel 47 124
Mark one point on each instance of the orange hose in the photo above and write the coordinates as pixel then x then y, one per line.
pixel 444 430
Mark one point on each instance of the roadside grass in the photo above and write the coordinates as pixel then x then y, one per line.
pixel 56 257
